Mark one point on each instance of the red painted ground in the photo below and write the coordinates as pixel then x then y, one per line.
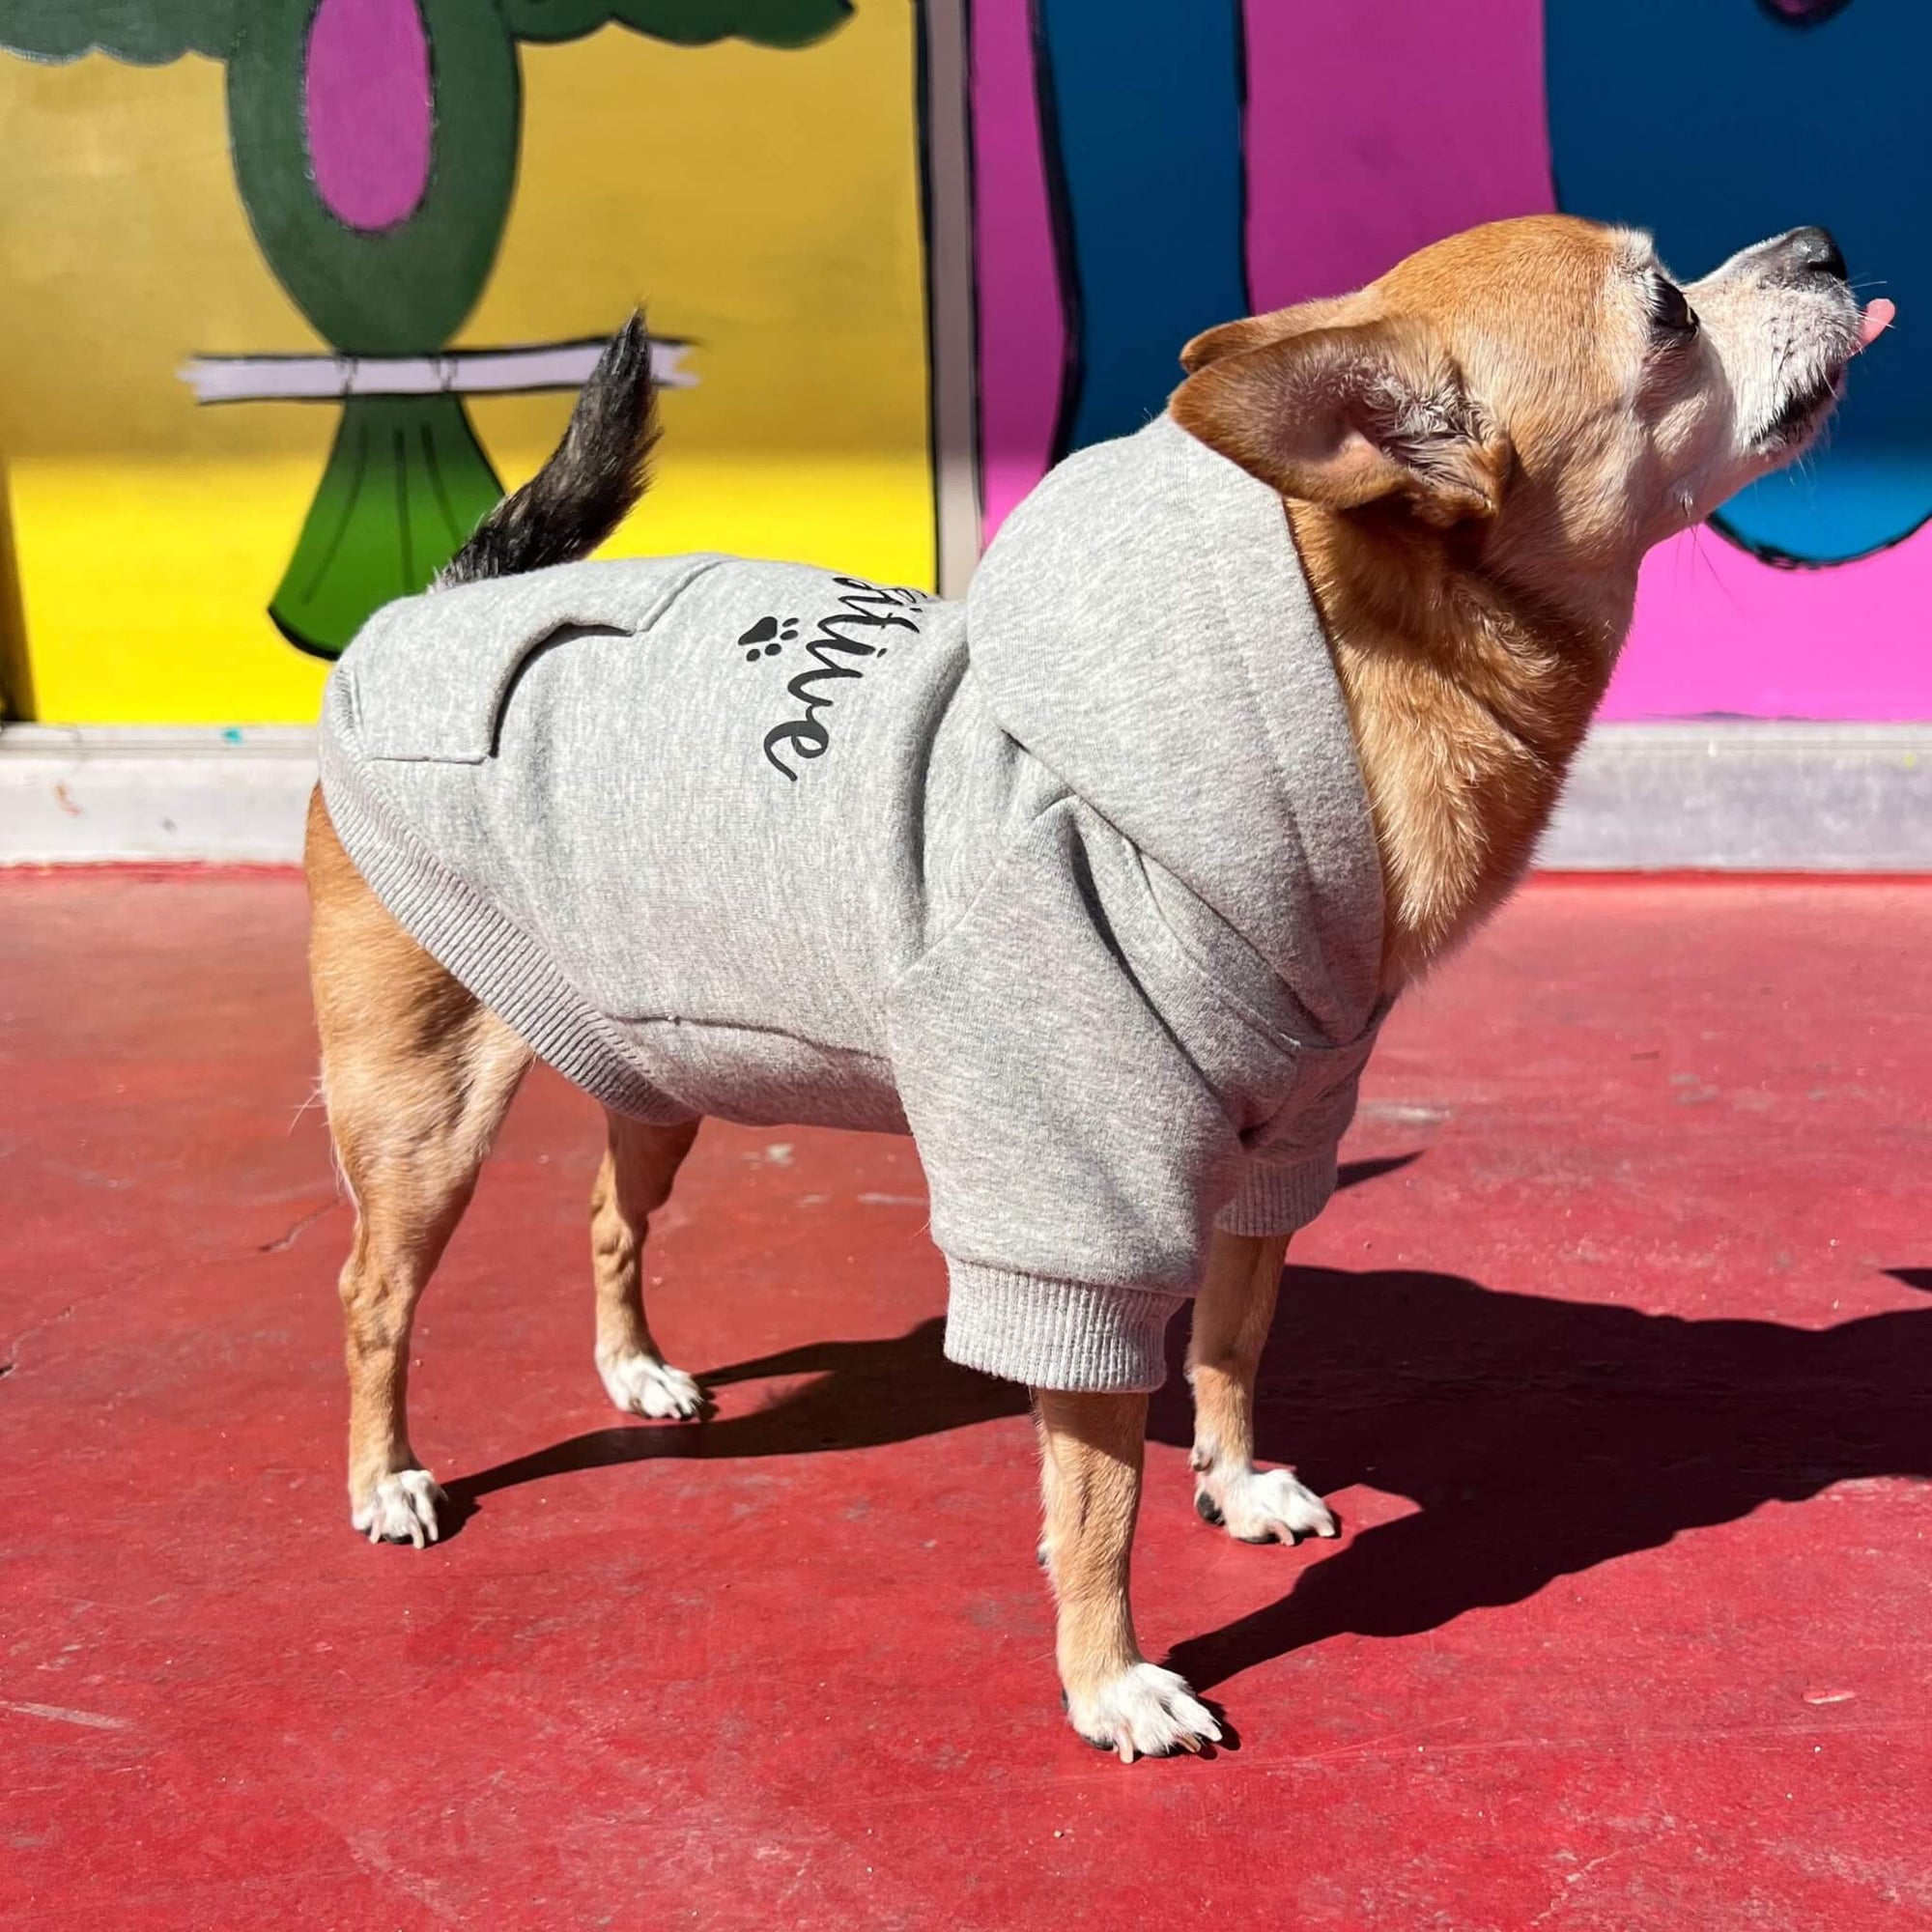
pixel 1622 1377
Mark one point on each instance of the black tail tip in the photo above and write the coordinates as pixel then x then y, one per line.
pixel 617 410
pixel 591 481
pixel 626 359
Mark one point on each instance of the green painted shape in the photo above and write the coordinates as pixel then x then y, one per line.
pixel 406 483
pixel 406 290
pixel 770 23
pixel 145 32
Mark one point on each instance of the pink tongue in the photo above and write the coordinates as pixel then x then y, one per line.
pixel 1874 323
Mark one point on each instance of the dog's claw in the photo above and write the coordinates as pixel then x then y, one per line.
pixel 402 1509
pixel 1144 1711
pixel 640 1385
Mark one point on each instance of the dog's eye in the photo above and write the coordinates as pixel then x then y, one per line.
pixel 1670 313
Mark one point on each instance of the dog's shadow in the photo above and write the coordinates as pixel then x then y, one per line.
pixel 1538 1437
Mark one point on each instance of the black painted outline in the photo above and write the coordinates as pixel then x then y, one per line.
pixel 1060 221
pixel 1785 559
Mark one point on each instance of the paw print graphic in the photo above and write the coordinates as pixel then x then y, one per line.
pixel 768 636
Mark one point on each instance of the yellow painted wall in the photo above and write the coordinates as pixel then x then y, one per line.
pixel 764 203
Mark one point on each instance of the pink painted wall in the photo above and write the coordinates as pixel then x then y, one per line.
pixel 1021 322
pixel 1354 158
pixel 1718 632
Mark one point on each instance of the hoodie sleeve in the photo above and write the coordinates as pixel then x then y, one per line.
pixel 1290 1176
pixel 1075 1152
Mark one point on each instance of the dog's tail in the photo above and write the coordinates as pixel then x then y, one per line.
pixel 592 479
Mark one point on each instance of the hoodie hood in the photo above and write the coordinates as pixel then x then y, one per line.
pixel 1143 627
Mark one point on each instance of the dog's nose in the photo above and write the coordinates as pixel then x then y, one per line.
pixel 1813 250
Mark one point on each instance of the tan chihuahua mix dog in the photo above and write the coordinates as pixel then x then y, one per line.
pixel 1473 455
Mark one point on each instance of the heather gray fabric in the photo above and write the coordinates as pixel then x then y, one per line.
pixel 1075 879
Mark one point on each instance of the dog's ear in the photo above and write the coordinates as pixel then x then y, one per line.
pixel 1352 416
pixel 1257 331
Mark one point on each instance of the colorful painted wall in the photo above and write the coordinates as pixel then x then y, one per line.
pixel 370 199
pixel 1146 167
pixel 293 287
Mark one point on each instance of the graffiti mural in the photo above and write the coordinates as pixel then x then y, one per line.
pixel 1137 182
pixel 276 328
pixel 375 150
pixel 899 256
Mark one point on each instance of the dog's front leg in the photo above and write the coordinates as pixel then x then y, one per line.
pixel 1091 1464
pixel 1231 1315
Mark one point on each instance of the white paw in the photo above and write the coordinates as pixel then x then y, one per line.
pixel 641 1387
pixel 1261 1505
pixel 402 1509
pixel 1145 1712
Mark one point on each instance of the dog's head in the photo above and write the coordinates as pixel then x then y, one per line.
pixel 1540 386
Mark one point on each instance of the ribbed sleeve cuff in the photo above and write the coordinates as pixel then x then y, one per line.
pixel 1279 1199
pixel 1056 1334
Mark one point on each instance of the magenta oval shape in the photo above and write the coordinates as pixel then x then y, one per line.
pixel 367 111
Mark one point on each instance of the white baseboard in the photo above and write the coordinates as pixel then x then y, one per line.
pixel 1742 795
pixel 1707 796
pixel 89 795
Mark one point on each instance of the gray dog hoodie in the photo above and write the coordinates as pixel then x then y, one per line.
pixel 1075 879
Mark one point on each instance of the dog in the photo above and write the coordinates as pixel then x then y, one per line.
pixel 1463 464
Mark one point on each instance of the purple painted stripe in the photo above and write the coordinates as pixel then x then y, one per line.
pixel 1718 631
pixel 1022 325
pixel 1373 130
pixel 367 110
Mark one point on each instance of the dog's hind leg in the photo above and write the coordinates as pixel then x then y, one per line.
pixel 1091 1448
pixel 1231 1315
pixel 418 1076
pixel 634 1182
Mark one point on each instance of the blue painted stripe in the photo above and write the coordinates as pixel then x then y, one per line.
pixel 1717 123
pixel 1142 102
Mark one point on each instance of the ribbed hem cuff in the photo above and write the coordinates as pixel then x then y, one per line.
pixel 1056 1334
pixel 1279 1199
